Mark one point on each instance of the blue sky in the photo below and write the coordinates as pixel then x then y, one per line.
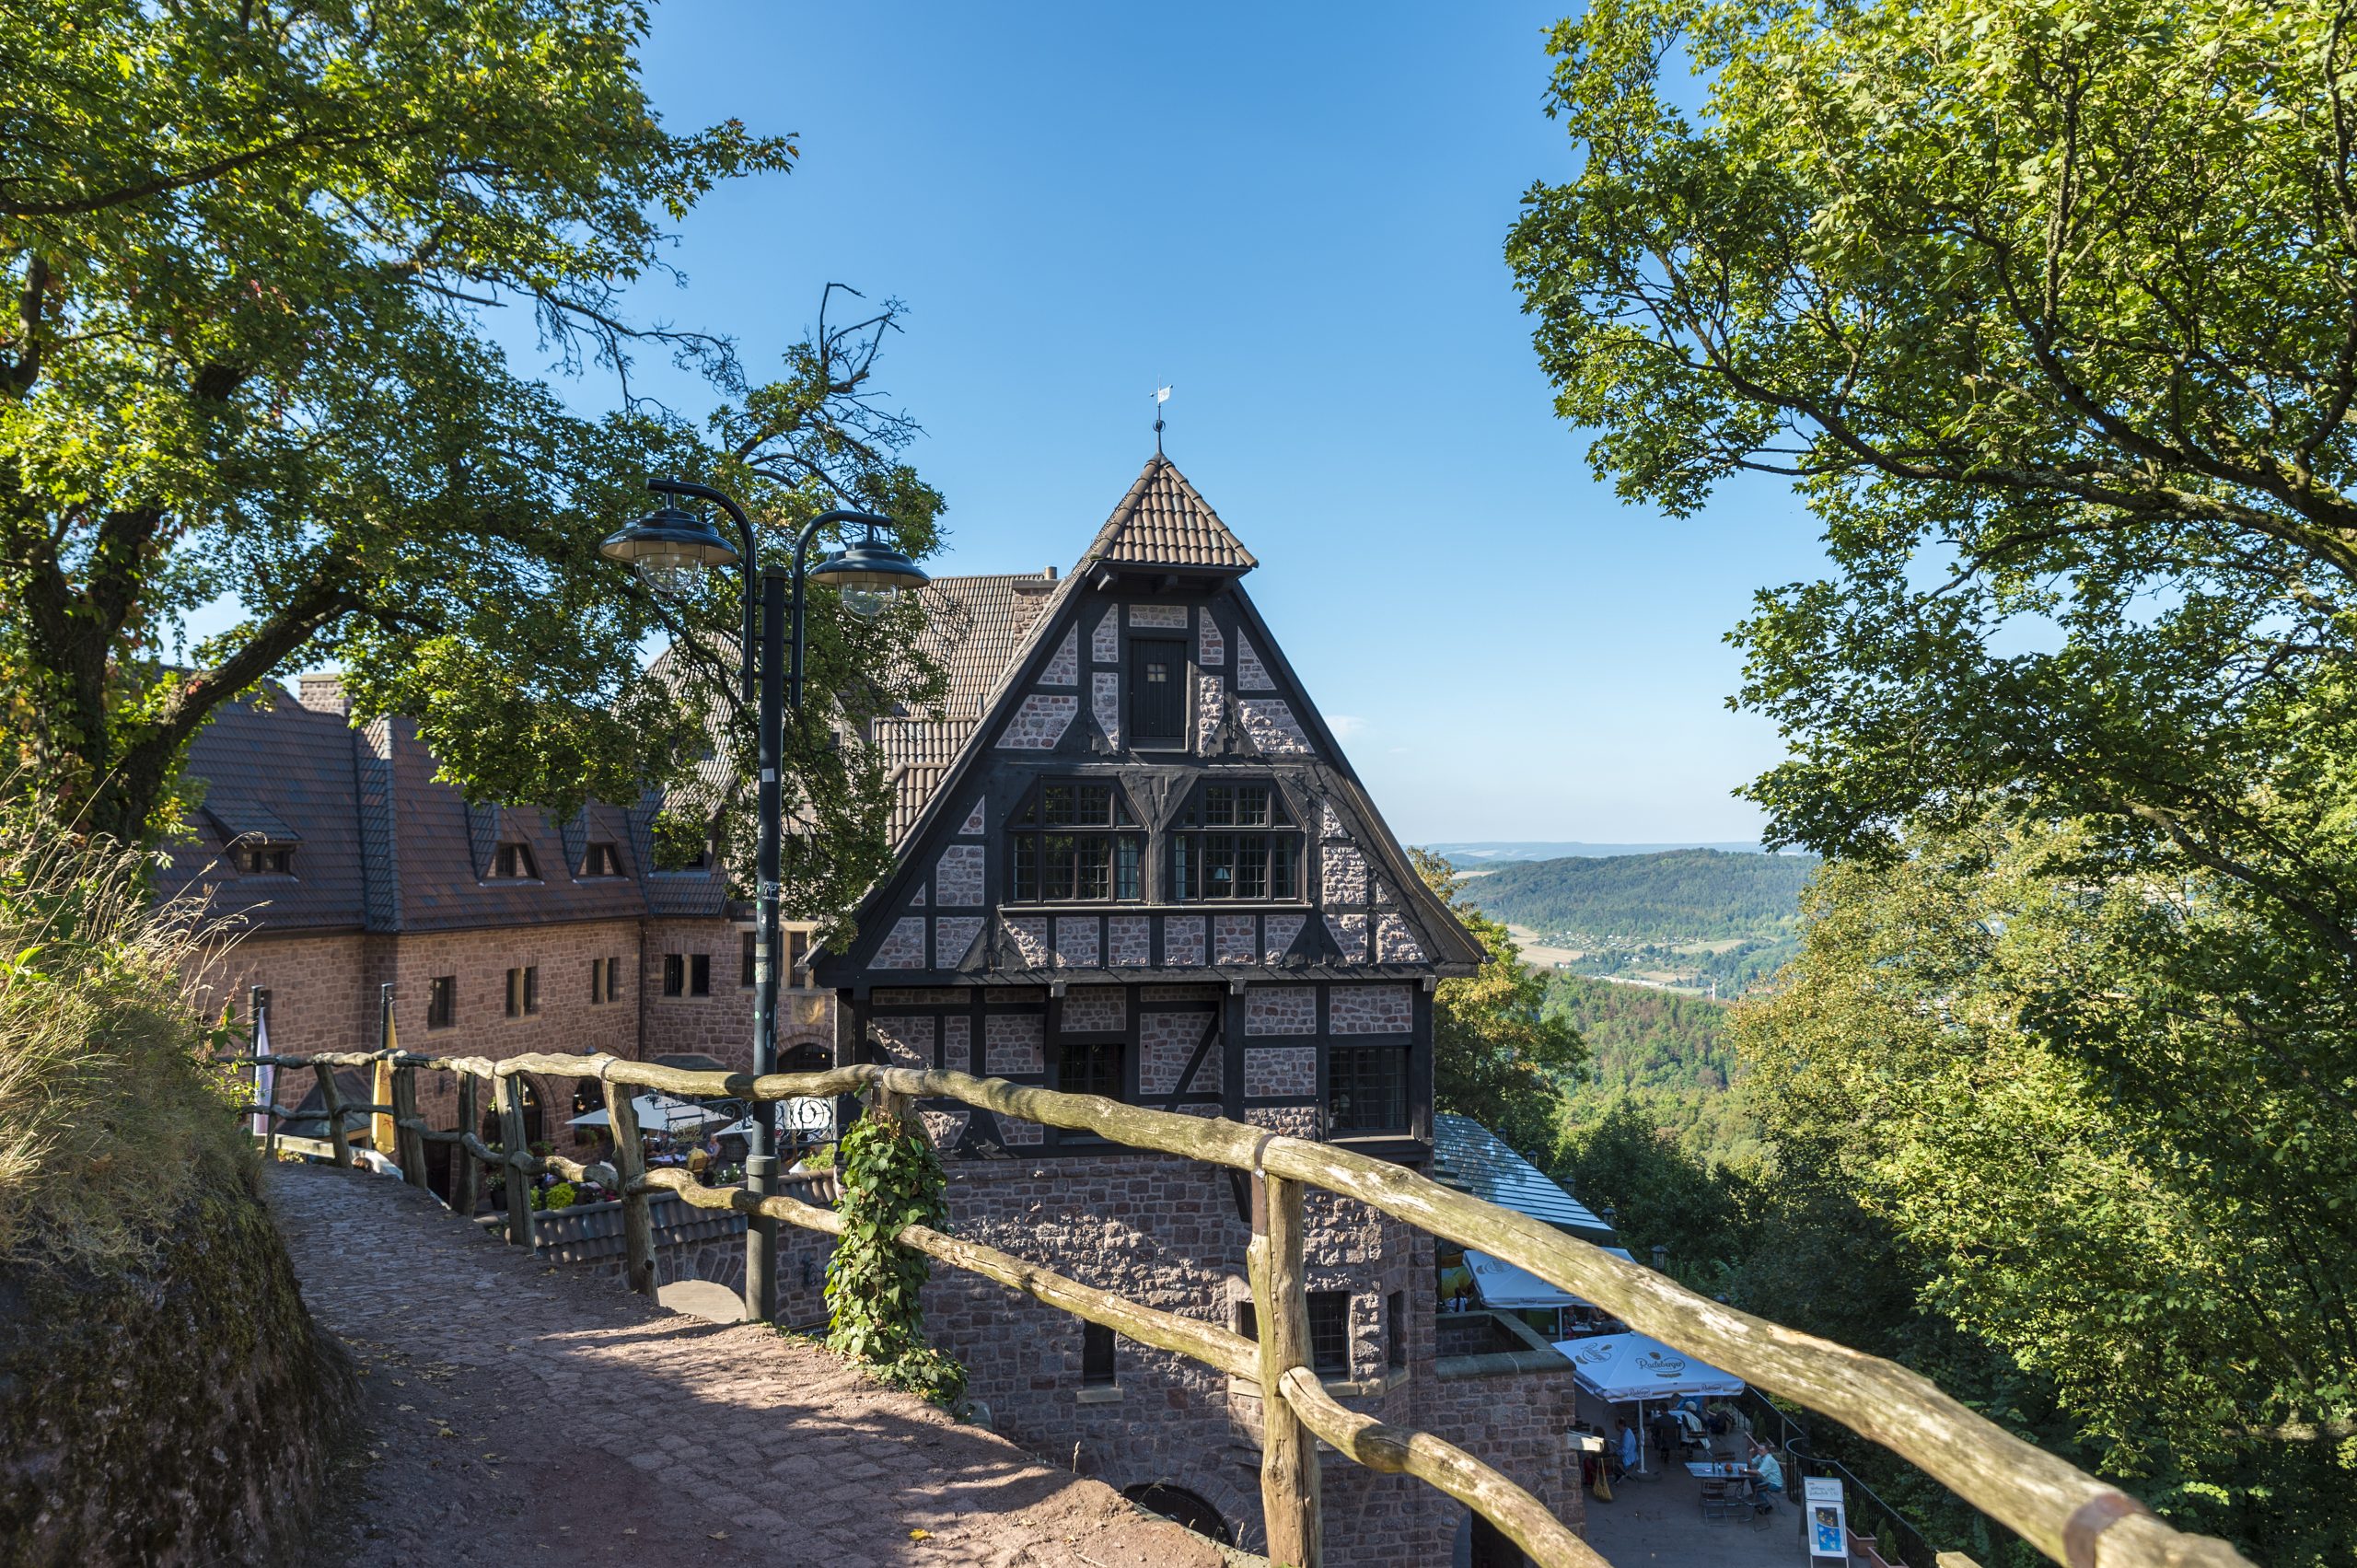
pixel 1295 216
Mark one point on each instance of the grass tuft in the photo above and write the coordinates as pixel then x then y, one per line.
pixel 111 1109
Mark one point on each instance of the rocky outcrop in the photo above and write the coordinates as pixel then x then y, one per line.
pixel 176 1411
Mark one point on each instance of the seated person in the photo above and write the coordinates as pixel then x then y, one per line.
pixel 1630 1448
pixel 1771 1472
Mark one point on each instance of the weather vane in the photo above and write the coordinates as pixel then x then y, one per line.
pixel 1161 396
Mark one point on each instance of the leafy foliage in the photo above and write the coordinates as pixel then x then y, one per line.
pixel 1688 895
pixel 252 251
pixel 891 1180
pixel 2047 310
pixel 2183 1305
pixel 1497 1056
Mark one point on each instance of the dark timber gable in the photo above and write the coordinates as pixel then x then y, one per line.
pixel 1149 869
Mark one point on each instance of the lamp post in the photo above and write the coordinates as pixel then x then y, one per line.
pixel 671 549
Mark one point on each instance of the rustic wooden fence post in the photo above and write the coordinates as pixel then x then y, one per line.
pixel 333 1102
pixel 511 1142
pixel 1289 1490
pixel 629 1164
pixel 466 1180
pixel 407 1138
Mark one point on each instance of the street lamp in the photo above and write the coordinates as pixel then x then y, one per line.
pixel 671 549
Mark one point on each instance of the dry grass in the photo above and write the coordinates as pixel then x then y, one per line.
pixel 108 1109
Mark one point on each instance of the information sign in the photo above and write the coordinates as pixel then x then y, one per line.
pixel 1829 1525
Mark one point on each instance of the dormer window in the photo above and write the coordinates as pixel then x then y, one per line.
pixel 602 860
pixel 514 862
pixel 267 860
pixel 1075 841
pixel 1236 840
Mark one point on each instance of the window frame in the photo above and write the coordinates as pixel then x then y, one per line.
pixel 267 860
pixel 1357 1052
pixel 675 974
pixel 1110 854
pixel 699 974
pixel 1330 1325
pixel 1104 1058
pixel 513 862
pixel 441 1002
pixel 1395 1329
pixel 600 859
pixel 748 972
pixel 1209 832
pixel 1100 1359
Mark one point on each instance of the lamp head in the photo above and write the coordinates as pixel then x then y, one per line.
pixel 869 575
pixel 671 549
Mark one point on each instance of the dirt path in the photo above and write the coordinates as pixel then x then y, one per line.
pixel 515 1413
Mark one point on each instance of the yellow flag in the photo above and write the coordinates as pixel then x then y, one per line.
pixel 380 1127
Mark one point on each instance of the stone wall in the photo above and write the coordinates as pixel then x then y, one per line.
pixel 320 997
pixel 1167 1233
pixel 720 1025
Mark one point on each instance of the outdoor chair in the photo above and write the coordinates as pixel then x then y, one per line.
pixel 1721 1498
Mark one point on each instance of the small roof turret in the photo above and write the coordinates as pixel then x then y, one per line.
pixel 1163 525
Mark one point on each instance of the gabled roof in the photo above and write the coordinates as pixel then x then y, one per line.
pixel 1470 1157
pixel 1163 522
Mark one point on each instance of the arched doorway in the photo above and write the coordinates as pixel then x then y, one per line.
pixel 1177 1504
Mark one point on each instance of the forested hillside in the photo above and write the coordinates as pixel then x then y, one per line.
pixel 1688 895
pixel 1667 1053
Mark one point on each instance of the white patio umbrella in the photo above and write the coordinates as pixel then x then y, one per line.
pixel 657 1113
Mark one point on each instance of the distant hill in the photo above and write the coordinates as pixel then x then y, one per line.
pixel 1666 1051
pixel 1468 856
pixel 1676 896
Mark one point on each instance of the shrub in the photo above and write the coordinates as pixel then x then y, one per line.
pixel 110 1111
pixel 891 1180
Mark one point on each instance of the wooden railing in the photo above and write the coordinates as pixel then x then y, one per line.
pixel 2071 1517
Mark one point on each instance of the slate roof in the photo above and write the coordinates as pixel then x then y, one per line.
pixel 381 844
pixel 1163 522
pixel 1470 1157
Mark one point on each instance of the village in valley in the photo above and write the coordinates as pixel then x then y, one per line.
pixel 591 972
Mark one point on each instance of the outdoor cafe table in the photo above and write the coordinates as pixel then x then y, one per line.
pixel 1706 1468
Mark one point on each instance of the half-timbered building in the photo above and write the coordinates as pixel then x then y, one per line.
pixel 1135 862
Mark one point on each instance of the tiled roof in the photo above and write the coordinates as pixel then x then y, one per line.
pixel 917 755
pixel 1163 522
pixel 381 844
pixel 1470 1157
pixel 300 766
pixel 975 627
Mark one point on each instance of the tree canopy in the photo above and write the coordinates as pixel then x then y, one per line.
pixel 1498 1056
pixel 253 253
pixel 2050 312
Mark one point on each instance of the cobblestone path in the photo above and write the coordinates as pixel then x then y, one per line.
pixel 516 1413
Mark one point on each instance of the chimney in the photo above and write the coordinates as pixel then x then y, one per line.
pixel 323 694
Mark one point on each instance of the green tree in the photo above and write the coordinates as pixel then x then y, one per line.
pixel 2178 1313
pixel 1498 1057
pixel 252 251
pixel 2048 311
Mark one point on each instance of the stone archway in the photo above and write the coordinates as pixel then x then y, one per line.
pixel 1189 1508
